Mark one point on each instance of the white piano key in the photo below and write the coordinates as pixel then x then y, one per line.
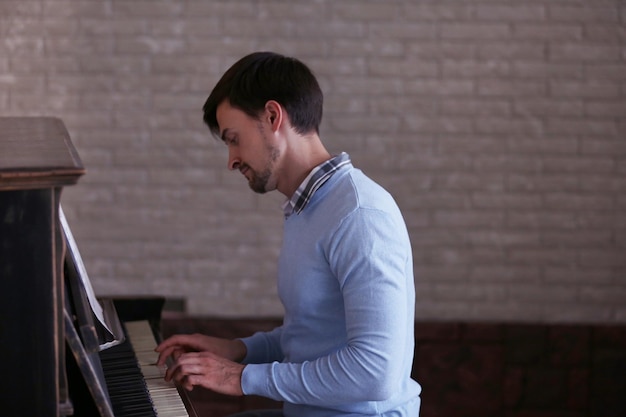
pixel 165 396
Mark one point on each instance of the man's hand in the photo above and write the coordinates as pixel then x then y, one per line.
pixel 233 350
pixel 202 360
pixel 207 370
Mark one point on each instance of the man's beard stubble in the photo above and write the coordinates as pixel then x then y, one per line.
pixel 259 181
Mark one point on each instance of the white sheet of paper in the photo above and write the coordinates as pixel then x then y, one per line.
pixel 91 295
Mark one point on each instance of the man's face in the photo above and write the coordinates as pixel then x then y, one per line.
pixel 250 148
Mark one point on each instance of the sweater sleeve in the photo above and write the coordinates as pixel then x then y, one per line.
pixel 370 256
pixel 263 347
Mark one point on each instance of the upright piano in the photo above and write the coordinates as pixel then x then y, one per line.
pixel 65 352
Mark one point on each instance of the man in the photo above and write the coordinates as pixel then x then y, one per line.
pixel 345 273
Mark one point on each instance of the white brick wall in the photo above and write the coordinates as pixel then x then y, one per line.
pixel 499 126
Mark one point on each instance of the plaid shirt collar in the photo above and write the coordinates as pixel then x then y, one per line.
pixel 316 178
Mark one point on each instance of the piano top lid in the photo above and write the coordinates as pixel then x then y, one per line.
pixel 36 152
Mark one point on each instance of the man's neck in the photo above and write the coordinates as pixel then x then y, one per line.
pixel 303 153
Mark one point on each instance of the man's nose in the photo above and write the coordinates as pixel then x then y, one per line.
pixel 233 160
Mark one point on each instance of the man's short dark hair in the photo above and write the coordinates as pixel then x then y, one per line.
pixel 262 76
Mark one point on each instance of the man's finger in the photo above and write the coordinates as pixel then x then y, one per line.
pixel 165 353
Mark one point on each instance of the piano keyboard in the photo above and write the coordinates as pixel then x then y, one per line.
pixel 135 384
pixel 164 395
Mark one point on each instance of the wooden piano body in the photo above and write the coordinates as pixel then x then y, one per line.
pixel 52 361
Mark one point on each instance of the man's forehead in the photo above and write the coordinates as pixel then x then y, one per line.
pixel 225 109
pixel 229 117
pixel 221 111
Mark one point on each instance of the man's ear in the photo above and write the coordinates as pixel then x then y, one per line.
pixel 274 113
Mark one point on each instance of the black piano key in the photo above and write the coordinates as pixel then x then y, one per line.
pixel 125 383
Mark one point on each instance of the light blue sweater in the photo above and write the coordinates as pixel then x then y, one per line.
pixel 345 278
